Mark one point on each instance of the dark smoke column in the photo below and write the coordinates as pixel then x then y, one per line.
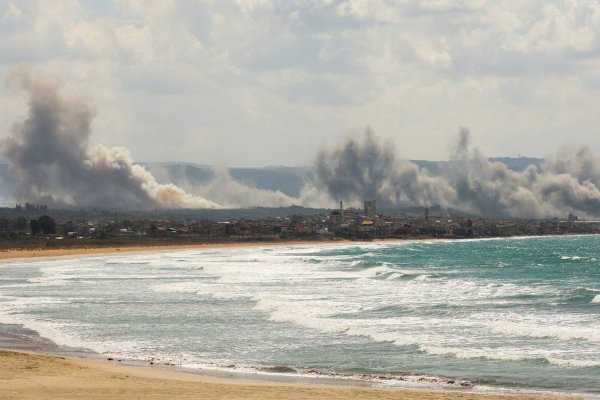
pixel 364 168
pixel 50 154
pixel 562 186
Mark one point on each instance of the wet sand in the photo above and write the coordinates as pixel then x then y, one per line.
pixel 26 375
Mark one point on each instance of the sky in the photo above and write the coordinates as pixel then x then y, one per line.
pixel 257 82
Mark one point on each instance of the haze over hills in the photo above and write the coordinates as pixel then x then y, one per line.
pixel 288 180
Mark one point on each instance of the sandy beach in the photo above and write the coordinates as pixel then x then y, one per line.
pixel 8 254
pixel 25 375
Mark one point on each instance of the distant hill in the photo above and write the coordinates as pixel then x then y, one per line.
pixel 519 163
pixel 288 180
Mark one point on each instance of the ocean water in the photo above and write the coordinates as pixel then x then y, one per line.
pixel 498 314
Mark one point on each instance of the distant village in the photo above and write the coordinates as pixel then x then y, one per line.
pixel 19 228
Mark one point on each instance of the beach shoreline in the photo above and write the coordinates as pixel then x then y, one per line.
pixel 34 375
pixel 12 253
pixel 32 344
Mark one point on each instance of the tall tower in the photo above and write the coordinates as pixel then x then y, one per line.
pixel 426 212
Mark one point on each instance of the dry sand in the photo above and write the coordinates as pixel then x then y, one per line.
pixel 35 376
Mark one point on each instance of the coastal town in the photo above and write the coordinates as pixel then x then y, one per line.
pixel 31 226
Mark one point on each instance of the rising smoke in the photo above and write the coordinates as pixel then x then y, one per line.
pixel 50 154
pixel 364 168
pixel 563 185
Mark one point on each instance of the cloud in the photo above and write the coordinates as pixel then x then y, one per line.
pixel 525 71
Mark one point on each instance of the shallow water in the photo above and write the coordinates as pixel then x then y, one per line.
pixel 501 313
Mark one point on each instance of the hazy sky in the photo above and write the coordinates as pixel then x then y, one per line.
pixel 256 82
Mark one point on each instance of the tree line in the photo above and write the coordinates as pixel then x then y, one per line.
pixel 44 224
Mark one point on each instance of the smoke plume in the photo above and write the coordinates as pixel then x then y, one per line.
pixel 50 154
pixel 564 185
pixel 365 168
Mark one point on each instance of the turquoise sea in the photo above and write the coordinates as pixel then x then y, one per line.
pixel 488 315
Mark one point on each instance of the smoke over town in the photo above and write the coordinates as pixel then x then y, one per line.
pixel 364 168
pixel 50 154
pixel 564 185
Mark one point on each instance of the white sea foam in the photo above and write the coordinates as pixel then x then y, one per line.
pixel 514 354
pixel 378 335
pixel 61 334
pixel 319 323
pixel 12 312
pixel 128 262
pixel 489 353
pixel 177 287
pixel 376 271
pixel 379 380
pixel 396 275
pixel 573 363
pixel 297 313
pixel 12 305
pixel 572 258
pixel 423 277
pixel 596 299
pixel 547 328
